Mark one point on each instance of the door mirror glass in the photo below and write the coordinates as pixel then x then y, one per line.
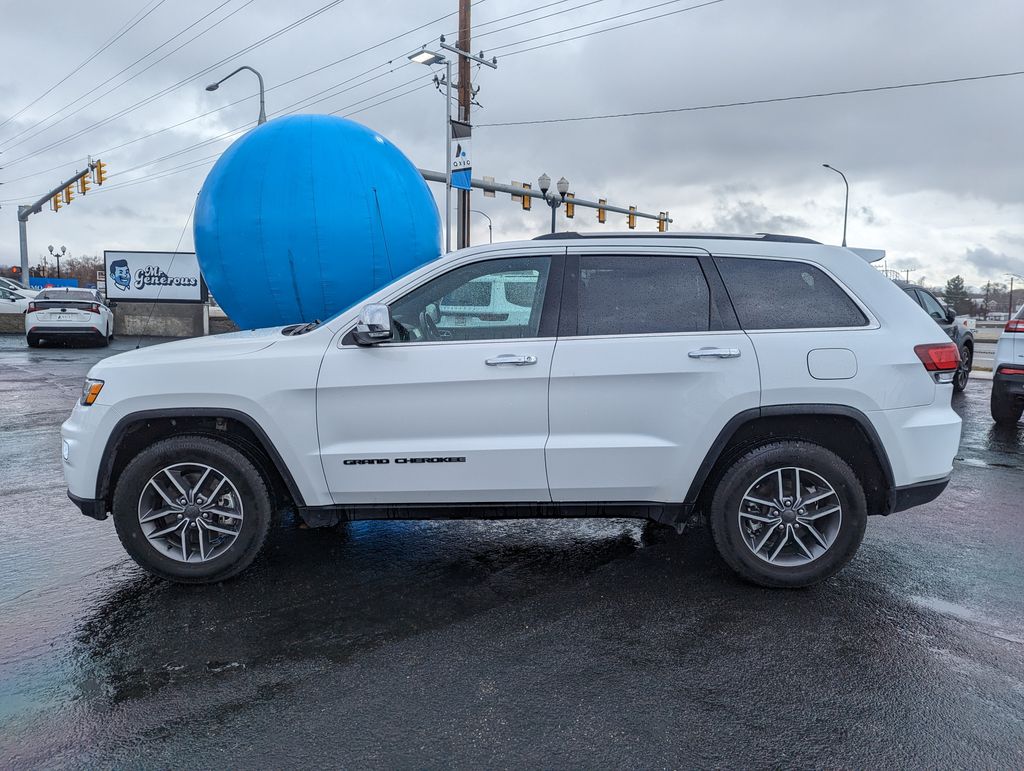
pixel 950 315
pixel 374 325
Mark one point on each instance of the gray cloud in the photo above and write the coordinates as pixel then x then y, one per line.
pixel 988 261
pixel 753 217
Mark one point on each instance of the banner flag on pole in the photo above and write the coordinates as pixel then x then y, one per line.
pixel 462 164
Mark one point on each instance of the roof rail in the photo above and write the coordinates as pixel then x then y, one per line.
pixel 774 237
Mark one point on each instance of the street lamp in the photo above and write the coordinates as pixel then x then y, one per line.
pixel 263 110
pixel 562 186
pixel 846 207
pixel 490 230
pixel 431 58
pixel 57 256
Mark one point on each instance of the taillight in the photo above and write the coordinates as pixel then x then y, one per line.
pixel 938 357
pixel 1011 371
pixel 94 308
pixel 1014 325
pixel 32 308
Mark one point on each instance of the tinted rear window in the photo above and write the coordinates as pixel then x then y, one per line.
pixel 70 295
pixel 641 295
pixel 779 294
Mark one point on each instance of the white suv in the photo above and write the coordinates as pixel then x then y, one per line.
pixel 1007 401
pixel 785 388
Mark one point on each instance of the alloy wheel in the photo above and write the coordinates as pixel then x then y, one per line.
pixel 190 512
pixel 790 516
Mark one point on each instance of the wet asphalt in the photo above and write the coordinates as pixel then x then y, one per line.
pixel 582 643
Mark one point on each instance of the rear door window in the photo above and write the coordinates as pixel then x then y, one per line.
pixel 784 294
pixel 643 294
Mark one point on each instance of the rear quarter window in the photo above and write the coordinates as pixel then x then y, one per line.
pixel 781 294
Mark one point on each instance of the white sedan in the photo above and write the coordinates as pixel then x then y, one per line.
pixel 61 314
pixel 12 302
pixel 18 289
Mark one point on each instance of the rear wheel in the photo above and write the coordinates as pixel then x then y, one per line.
pixel 788 514
pixel 1005 409
pixel 33 342
pixel 192 510
pixel 963 372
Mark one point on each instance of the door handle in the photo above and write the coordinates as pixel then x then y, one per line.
pixel 510 358
pixel 715 353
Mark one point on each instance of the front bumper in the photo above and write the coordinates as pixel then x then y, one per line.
pixel 90 506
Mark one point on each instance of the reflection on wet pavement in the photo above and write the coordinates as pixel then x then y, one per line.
pixel 554 643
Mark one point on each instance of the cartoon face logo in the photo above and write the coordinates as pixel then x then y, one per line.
pixel 121 274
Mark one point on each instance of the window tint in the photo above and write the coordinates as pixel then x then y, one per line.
pixel 638 295
pixel 476 302
pixel 778 294
pixel 932 306
pixel 72 295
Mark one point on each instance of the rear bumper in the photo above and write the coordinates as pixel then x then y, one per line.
pixel 1011 386
pixel 909 496
pixel 48 332
pixel 91 507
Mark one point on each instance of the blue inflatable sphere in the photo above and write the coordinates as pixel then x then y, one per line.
pixel 305 215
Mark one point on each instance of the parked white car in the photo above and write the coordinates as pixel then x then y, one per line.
pixel 785 388
pixel 1007 401
pixel 12 302
pixel 68 313
pixel 18 289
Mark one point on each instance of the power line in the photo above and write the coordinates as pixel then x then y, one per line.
pixel 607 29
pixel 168 89
pixel 720 105
pixel 117 36
pixel 546 16
pixel 8 142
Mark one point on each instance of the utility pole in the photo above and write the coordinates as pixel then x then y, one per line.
pixel 465 99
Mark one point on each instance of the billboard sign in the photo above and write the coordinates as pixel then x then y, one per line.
pixel 167 277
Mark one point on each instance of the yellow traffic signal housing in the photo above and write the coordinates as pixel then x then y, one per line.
pixel 83 185
pixel 69 195
pixel 602 214
pixel 631 218
pixel 55 202
pixel 570 207
pixel 100 172
pixel 527 200
pixel 662 221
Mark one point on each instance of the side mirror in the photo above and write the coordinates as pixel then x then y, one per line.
pixel 950 315
pixel 374 325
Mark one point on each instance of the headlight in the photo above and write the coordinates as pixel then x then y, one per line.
pixel 91 390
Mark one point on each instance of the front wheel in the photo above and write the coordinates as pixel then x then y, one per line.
pixel 191 509
pixel 788 514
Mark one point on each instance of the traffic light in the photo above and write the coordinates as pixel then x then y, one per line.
pixel 100 172
pixel 69 195
pixel 662 221
pixel 527 200
pixel 602 214
pixel 570 207
pixel 83 185
pixel 55 202
pixel 631 218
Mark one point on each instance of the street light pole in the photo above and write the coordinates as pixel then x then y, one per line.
pixel 423 56
pixel 1011 276
pixel 544 184
pixel 490 230
pixel 846 206
pixel 263 107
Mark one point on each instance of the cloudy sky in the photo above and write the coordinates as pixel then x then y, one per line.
pixel 936 173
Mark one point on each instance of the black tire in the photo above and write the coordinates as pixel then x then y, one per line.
pixel 252 490
pixel 33 342
pixel 1005 409
pixel 963 372
pixel 755 463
